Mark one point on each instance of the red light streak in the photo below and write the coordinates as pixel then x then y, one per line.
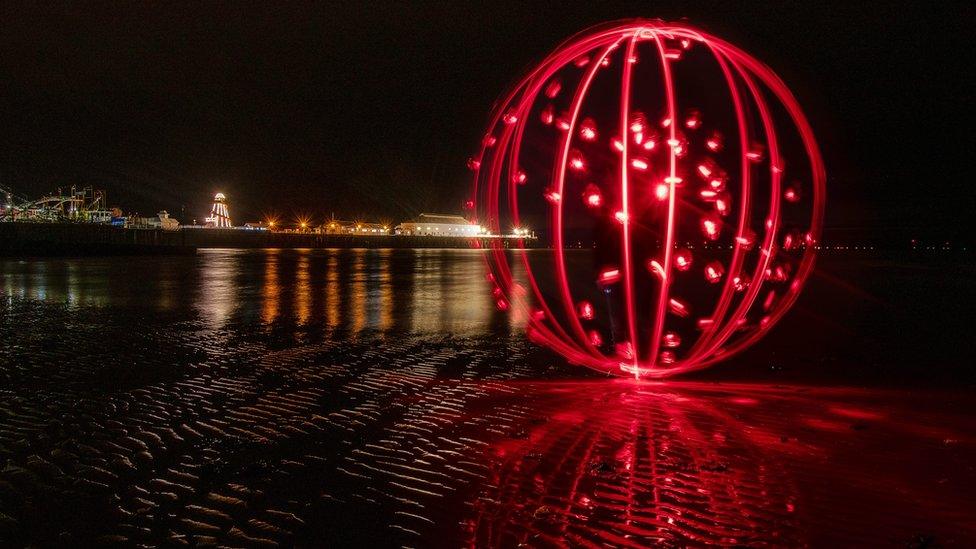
pixel 740 222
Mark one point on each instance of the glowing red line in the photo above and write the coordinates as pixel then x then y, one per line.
pixel 728 288
pixel 767 249
pixel 562 279
pixel 661 305
pixel 625 201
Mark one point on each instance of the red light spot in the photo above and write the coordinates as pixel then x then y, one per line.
pixel 756 153
pixel 682 260
pixel 746 240
pixel 552 89
pixel 792 194
pixel 608 276
pixel 679 308
pixel 711 227
pixel 592 196
pixel 585 310
pixel 637 123
pixel 655 268
pixel 661 191
pixel 714 271
pixel 722 203
pixel 588 130
pixel 714 142
pixel 576 160
pixel 547 115
pixel 519 177
pixel 639 164
pixel 741 282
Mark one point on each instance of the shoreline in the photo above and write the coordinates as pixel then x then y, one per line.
pixel 22 240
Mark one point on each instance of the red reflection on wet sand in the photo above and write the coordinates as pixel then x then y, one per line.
pixel 620 463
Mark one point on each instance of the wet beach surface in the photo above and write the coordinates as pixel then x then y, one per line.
pixel 376 398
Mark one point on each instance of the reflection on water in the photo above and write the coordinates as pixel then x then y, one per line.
pixel 419 291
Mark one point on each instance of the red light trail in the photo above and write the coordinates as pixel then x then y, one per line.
pixel 714 210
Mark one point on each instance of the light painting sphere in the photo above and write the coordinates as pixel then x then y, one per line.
pixel 679 184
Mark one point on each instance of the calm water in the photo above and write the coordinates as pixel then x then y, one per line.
pixel 329 397
pixel 350 291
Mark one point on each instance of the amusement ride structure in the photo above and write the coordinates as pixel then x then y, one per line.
pixel 219 214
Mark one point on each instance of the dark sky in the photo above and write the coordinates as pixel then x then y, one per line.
pixel 371 110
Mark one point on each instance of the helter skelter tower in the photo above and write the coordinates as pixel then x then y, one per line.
pixel 690 167
pixel 219 214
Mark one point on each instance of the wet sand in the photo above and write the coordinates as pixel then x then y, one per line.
pixel 373 399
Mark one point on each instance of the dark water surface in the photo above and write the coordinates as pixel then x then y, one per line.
pixel 377 398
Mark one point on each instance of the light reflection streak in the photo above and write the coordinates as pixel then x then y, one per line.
pixel 270 290
pixel 302 288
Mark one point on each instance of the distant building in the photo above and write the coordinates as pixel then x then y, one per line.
pixel 438 225
pixel 362 228
pixel 161 221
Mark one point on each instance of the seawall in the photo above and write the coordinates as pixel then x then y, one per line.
pixel 235 238
pixel 67 239
pixel 76 239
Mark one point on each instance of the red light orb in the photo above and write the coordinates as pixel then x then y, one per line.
pixel 703 196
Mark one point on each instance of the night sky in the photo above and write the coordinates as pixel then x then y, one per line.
pixel 371 111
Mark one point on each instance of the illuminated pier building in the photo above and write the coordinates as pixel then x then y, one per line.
pixel 438 225
pixel 363 228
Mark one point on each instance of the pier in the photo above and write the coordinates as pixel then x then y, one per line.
pixel 81 239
